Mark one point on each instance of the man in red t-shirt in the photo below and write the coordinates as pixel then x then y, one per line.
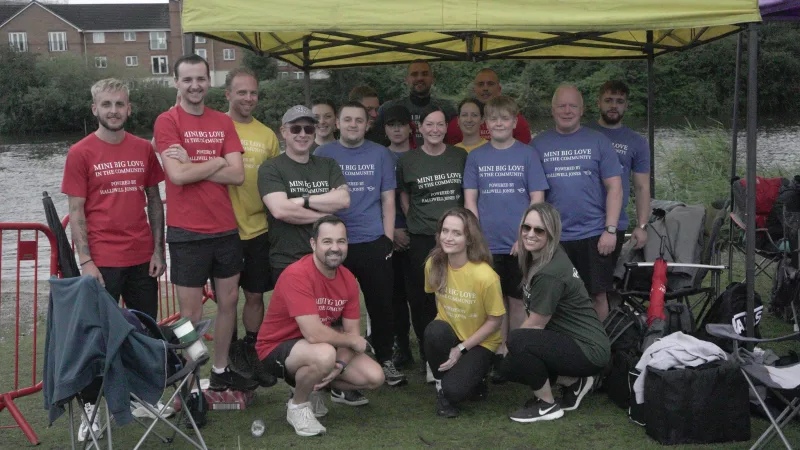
pixel 109 178
pixel 296 341
pixel 486 86
pixel 202 155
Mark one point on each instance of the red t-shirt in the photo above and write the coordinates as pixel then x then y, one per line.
pixel 203 207
pixel 303 290
pixel 522 132
pixel 112 178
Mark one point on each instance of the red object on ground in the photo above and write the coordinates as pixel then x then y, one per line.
pixel 767 190
pixel 657 290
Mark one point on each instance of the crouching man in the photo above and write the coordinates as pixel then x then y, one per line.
pixel 296 341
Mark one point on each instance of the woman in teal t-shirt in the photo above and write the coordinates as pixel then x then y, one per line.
pixel 562 341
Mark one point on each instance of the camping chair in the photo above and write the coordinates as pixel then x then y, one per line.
pixel 84 318
pixel 785 296
pixel 778 381
pixel 688 260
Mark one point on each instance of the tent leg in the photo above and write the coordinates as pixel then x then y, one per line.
pixel 737 83
pixel 651 126
pixel 752 123
pixel 307 86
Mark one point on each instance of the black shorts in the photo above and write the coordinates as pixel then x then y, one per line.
pixel 194 262
pixel 507 267
pixel 275 362
pixel 596 271
pixel 256 276
pixel 138 289
pixel 275 274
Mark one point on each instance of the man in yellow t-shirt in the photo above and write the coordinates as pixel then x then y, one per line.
pixel 260 144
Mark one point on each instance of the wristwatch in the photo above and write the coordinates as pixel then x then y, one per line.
pixel 306 204
pixel 461 348
pixel 611 229
pixel 643 226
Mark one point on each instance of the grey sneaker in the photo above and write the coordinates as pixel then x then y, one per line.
pixel 392 376
pixel 303 420
pixel 349 398
pixel 536 410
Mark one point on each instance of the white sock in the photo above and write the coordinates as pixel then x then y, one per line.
pixel 438 385
pixel 216 369
pixel 292 405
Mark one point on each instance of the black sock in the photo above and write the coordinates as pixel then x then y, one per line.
pixel 250 337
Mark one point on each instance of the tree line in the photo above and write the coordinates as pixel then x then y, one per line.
pixel 41 95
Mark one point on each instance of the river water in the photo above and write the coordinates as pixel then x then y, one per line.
pixel 27 168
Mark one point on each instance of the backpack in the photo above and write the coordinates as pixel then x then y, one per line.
pixel 731 308
pixel 625 329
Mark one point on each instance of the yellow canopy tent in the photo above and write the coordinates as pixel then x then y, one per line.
pixel 317 34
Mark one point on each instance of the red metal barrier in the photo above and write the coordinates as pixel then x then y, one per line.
pixel 26 250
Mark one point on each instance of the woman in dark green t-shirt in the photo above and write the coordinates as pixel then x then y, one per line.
pixel 562 341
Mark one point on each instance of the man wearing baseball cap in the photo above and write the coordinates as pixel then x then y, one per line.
pixel 298 188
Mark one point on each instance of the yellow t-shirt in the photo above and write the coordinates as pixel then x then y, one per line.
pixel 260 144
pixel 472 294
pixel 470 148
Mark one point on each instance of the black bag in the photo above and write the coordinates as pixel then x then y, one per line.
pixel 625 329
pixel 730 308
pixel 616 383
pixel 678 318
pixel 697 405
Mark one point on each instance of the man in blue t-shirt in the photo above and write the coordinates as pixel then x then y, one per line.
pixel 369 169
pixel 585 186
pixel 501 179
pixel 633 152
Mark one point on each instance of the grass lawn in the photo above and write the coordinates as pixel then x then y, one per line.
pixel 402 417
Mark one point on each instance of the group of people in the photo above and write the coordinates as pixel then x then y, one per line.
pixel 498 249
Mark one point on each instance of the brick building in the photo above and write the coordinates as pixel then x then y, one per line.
pixel 139 41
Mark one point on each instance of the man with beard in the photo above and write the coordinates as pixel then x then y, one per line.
pixel 202 155
pixel 296 341
pixel 583 173
pixel 109 178
pixel 370 173
pixel 419 102
pixel 486 86
pixel 633 152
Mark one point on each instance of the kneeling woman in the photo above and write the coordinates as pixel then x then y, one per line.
pixel 562 341
pixel 462 339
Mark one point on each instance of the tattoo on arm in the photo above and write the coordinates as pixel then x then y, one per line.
pixel 77 222
pixel 155 215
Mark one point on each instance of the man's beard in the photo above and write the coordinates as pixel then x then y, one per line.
pixel 109 127
pixel 611 121
pixel 335 263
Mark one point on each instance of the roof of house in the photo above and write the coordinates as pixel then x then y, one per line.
pixel 130 16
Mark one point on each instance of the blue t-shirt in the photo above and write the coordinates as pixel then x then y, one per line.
pixel 369 171
pixel 399 217
pixel 634 154
pixel 575 166
pixel 504 180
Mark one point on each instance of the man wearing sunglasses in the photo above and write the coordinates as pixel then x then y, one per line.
pixel 369 170
pixel 298 188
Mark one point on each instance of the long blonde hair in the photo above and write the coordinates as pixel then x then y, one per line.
pixel 477 249
pixel 530 263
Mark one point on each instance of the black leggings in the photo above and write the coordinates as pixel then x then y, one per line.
pixel 402 321
pixel 535 355
pixel 422 304
pixel 460 381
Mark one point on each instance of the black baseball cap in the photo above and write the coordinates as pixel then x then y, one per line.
pixel 397 113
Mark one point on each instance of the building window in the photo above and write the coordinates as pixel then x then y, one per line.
pixel 158 40
pixel 99 38
pixel 129 36
pixel 18 41
pixel 201 52
pixel 299 75
pixel 160 65
pixel 101 62
pixel 57 41
pixel 282 64
pixel 131 61
pixel 228 54
pixel 283 75
pixel 199 40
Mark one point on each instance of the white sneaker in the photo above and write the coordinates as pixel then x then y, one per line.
pixel 429 374
pixel 316 400
pixel 138 410
pixel 303 420
pixel 83 429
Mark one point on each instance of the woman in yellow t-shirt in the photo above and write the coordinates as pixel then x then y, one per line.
pixel 470 119
pixel 461 340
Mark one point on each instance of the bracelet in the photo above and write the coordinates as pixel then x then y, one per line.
pixel 342 363
pixel 86 262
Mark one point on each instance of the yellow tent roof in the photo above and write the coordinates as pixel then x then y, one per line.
pixel 326 34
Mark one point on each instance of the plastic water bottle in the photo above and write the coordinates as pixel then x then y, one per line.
pixel 258 428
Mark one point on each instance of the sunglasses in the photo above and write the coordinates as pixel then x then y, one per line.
pixel 295 129
pixel 527 229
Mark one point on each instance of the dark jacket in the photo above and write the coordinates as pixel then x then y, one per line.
pixel 87 337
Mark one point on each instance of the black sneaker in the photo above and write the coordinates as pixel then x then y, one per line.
pixel 497 375
pixel 391 375
pixel 238 359
pixel 444 408
pixel 230 380
pixel 402 357
pixel 349 398
pixel 571 396
pixel 535 410
pixel 197 407
pixel 481 391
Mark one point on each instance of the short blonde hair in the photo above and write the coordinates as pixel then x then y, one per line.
pixel 501 104
pixel 109 85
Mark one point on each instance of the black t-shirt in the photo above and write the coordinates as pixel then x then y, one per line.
pixel 289 242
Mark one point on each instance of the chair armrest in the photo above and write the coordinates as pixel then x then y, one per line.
pixel 719 267
pixel 724 330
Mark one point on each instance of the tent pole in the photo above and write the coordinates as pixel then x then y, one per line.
pixel 750 219
pixel 737 83
pixel 188 44
pixel 651 126
pixel 306 72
